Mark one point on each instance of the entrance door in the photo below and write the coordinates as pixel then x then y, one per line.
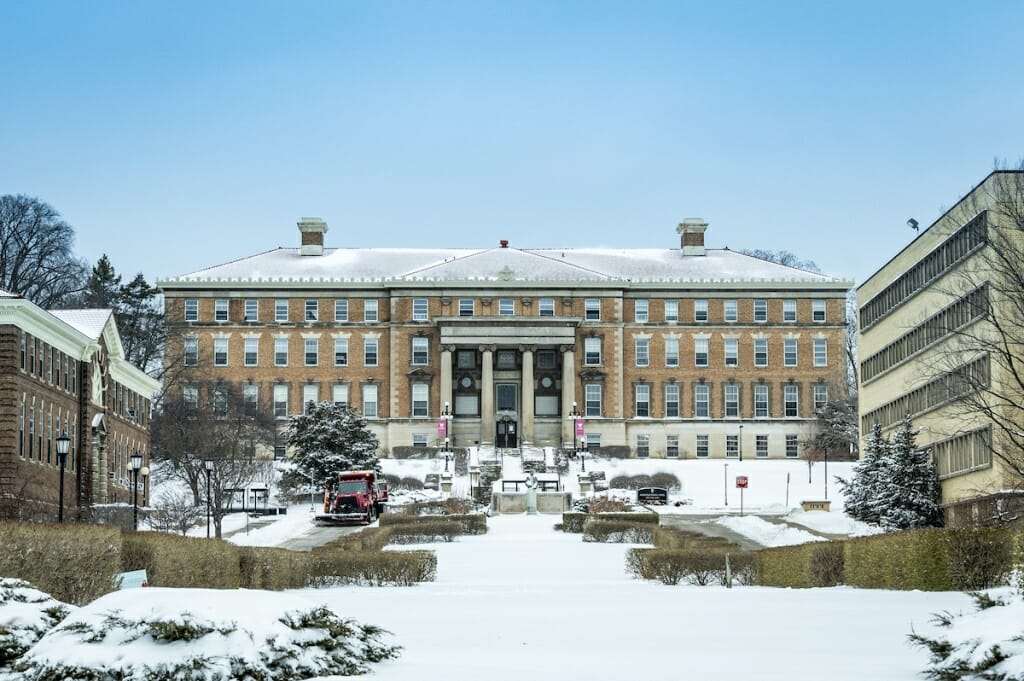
pixel 506 433
pixel 506 427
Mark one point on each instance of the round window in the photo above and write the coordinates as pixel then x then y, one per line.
pixel 466 382
pixel 546 382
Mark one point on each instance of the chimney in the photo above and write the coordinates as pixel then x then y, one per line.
pixel 312 236
pixel 692 231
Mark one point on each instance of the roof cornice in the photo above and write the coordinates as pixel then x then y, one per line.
pixel 34 320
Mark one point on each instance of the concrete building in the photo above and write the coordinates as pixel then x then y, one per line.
pixel 678 352
pixel 63 371
pixel 928 348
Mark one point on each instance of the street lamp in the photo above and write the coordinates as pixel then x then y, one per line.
pixel 446 452
pixel 63 445
pixel 573 415
pixel 741 442
pixel 136 464
pixel 583 454
pixel 208 465
pixel 448 416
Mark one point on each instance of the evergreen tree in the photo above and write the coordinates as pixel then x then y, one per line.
pixel 326 439
pixel 910 491
pixel 103 289
pixel 861 491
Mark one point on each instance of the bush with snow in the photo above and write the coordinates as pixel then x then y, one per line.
pixel 26 614
pixel 161 634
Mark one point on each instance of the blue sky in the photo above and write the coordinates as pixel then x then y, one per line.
pixel 176 135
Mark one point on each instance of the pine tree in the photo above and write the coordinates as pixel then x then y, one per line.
pixel 910 489
pixel 326 439
pixel 861 491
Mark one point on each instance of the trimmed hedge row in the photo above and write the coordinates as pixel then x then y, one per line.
pixel 695 566
pixel 675 538
pixel 425 532
pixel 271 569
pixel 927 560
pixel 373 568
pixel 170 560
pixel 472 523
pixel 618 532
pixel 574 521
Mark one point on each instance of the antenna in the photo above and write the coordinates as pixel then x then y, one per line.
pixel 912 223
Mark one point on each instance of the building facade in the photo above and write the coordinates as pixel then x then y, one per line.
pixel 63 371
pixel 930 348
pixel 679 352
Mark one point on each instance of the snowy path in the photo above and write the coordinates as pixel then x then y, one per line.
pixel 524 601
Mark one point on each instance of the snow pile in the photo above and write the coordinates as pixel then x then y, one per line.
pixel 209 635
pixel 988 644
pixel 25 615
pixel 767 533
pixel 832 523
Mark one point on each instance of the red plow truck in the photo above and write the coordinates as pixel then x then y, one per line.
pixel 354 497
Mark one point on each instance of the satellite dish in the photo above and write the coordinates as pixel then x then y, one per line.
pixel 912 223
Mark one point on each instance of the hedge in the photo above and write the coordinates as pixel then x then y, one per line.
pixel 271 568
pixel 370 539
pixel 672 566
pixel 73 563
pixel 170 560
pixel 790 566
pixel 375 568
pixel 573 521
pixel 425 532
pixel 675 538
pixel 472 523
pixel 618 532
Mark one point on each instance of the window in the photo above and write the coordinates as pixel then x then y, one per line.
pixel 642 391
pixel 547 307
pixel 419 310
pixel 252 351
pixel 791 447
pixel 643 446
pixel 701 447
pixel 672 400
pixel 419 440
pixel 761 446
pixel 341 352
pixel 506 307
pixel 191 310
pixel 420 350
pixel 250 398
pixel 672 446
pixel 506 359
pixel 701 393
pixel 591 351
pixel 671 310
pixel 732 352
pixel 190 398
pixel 280 401
pixel 220 404
pixel 729 310
pixel 191 351
pixel 420 397
pixel 465 307
pixel 789 352
pixel 280 352
pixel 370 310
pixel 671 352
pixel 592 309
pixel 370 401
pixel 643 352
pixel 732 400
pixel 820 395
pixel 311 351
pixel 370 352
pixel 700 352
pixel 465 359
pixel 791 399
pixel 546 359
pixel 732 446
pixel 700 310
pixel 341 310
pixel 23 344
pixel 789 310
pixel 592 401
pixel 310 394
pixel 281 310
pixel 760 352
pixel 820 352
pixel 252 310
pixel 593 441
pixel 760 401
pixel 220 310
pixel 641 311
pixel 339 393
pixel 818 311
pixel 760 310
pixel 220 352
pixel 312 310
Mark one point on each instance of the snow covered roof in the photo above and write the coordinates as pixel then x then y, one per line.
pixel 8 294
pixel 90 323
pixel 410 266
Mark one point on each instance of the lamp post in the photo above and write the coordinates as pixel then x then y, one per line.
pixel 583 455
pixel 573 415
pixel 136 464
pixel 446 453
pixel 144 474
pixel 208 465
pixel 741 443
pixel 448 416
pixel 63 445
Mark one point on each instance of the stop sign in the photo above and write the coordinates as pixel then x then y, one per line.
pixel 741 481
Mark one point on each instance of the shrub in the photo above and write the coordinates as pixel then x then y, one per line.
pixel 34 613
pixel 182 561
pixel 608 506
pixel 411 483
pixel 425 532
pixel 73 563
pixel 271 569
pixel 371 568
pixel 675 538
pixel 370 539
pixel 979 558
pixel 633 482
pixel 827 563
pixel 672 566
pixel 573 522
pixel 617 531
pixel 667 481
pixel 787 566
pixel 474 523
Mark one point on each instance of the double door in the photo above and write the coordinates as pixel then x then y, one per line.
pixel 506 425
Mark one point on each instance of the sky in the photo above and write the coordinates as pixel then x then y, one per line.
pixel 177 135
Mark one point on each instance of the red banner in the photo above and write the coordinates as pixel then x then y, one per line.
pixel 442 427
pixel 579 428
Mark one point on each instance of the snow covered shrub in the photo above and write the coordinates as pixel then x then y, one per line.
pixel 667 481
pixel 188 634
pixel 618 532
pixel 426 531
pixel 605 506
pixel 633 482
pixel 25 615
pixel 573 522
pixel 987 644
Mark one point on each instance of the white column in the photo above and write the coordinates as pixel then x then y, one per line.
pixel 568 393
pixel 487 395
pixel 526 422
pixel 446 379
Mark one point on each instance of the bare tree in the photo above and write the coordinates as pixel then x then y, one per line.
pixel 36 261
pixel 786 258
pixel 175 511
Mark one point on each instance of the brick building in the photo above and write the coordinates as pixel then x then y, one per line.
pixel 684 352
pixel 63 371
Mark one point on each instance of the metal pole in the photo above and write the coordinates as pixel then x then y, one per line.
pixel 60 513
pixel 741 443
pixel 741 502
pixel 135 500
pixel 725 479
pixel 826 475
pixel 787 490
pixel 207 504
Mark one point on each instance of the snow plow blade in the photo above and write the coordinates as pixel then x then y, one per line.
pixel 340 518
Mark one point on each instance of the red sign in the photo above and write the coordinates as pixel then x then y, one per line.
pixel 579 428
pixel 442 427
pixel 741 481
